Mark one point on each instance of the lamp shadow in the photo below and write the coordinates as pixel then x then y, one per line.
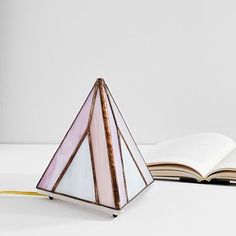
pixel 27 212
pixel 21 212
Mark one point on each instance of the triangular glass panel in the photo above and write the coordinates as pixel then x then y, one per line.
pixel 100 155
pixel 78 180
pixel 130 141
pixel 134 180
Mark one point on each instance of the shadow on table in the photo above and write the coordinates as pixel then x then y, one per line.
pixel 27 212
pixel 213 182
pixel 20 212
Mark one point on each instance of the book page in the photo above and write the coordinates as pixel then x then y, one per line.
pixel 201 151
pixel 228 163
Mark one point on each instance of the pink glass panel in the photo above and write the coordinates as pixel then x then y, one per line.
pixel 130 141
pixel 67 146
pixel 101 161
pixel 117 156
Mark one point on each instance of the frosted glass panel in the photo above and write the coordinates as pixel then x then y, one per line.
pixel 117 157
pixel 134 180
pixel 129 140
pixel 78 179
pixel 101 161
pixel 67 146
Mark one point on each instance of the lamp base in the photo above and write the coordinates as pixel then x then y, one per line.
pixel 51 196
pixel 114 212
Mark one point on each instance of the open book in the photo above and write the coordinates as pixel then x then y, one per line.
pixel 201 157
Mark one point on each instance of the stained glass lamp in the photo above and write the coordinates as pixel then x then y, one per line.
pixel 98 162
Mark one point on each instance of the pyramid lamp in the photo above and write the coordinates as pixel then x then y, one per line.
pixel 97 163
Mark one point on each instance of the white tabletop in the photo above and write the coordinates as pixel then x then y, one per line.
pixel 167 208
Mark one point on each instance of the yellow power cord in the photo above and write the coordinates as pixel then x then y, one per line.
pixel 21 193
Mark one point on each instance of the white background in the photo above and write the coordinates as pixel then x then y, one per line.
pixel 170 65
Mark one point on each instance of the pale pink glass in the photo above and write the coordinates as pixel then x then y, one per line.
pixel 130 141
pixel 117 156
pixel 67 146
pixel 101 161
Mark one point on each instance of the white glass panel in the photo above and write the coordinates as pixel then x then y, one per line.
pixel 78 179
pixel 134 180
